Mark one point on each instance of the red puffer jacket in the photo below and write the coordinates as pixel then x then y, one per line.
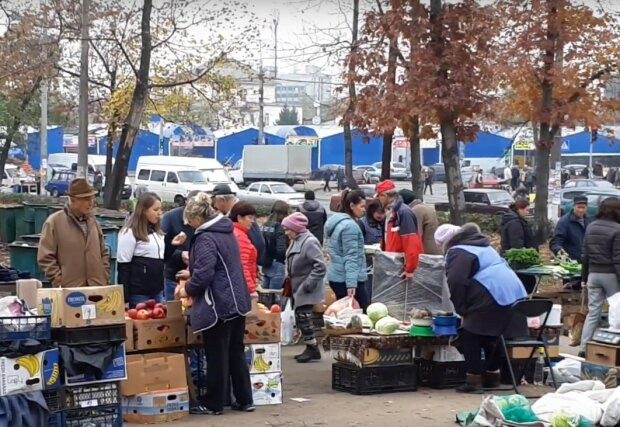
pixel 401 235
pixel 249 256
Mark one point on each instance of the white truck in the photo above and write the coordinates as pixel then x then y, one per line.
pixel 286 163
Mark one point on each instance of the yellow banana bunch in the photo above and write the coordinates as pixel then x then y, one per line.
pixel 54 377
pixel 112 302
pixel 29 363
pixel 260 364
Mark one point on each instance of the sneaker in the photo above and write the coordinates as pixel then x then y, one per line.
pixel 203 410
pixel 243 408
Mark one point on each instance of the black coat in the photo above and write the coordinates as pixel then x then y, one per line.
pixel 569 235
pixel 516 232
pixel 601 249
pixel 317 217
pixel 482 315
pixel 172 224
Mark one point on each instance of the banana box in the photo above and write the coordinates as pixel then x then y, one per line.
pixel 154 371
pixel 115 370
pixel 156 406
pixel 266 388
pixel 80 307
pixel 32 372
pixel 263 358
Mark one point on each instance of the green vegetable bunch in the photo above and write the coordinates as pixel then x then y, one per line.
pixel 571 267
pixel 525 257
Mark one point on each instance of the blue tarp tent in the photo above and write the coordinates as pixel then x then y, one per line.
pixel 146 144
pixel 54 145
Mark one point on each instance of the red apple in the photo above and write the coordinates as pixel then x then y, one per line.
pixel 151 303
pixel 150 312
pixel 142 314
pixel 141 306
pixel 158 313
pixel 132 313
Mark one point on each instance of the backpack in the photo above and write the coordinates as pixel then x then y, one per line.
pixel 269 235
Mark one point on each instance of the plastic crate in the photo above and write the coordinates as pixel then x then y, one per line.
pixel 441 374
pixel 25 328
pixel 90 334
pixel 91 395
pixel 369 380
pixel 54 400
pixel 55 420
pixel 96 416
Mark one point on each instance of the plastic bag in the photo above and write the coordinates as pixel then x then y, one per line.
pixel 339 314
pixel 287 331
pixel 614 311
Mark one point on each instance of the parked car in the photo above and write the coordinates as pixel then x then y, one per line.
pixel 398 171
pixel 575 187
pixel 482 201
pixel 440 172
pixel 489 180
pixel 319 174
pixel 588 183
pixel 576 169
pixel 595 198
pixel 265 193
pixel 369 192
pixel 374 173
pixel 58 185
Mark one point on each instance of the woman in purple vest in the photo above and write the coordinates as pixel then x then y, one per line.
pixel 482 289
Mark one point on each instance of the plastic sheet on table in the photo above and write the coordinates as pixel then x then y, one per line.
pixel 427 289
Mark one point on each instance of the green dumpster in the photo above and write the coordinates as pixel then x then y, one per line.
pixel 111 217
pixel 40 215
pixel 22 226
pixel 31 239
pixel 24 258
pixel 7 222
pixel 30 216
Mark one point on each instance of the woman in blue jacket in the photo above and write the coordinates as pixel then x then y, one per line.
pixel 221 300
pixel 345 245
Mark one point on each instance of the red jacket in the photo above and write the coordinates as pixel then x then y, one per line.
pixel 249 256
pixel 401 235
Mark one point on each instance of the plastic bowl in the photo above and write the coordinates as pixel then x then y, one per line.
pixel 444 330
pixel 421 331
pixel 445 321
pixel 422 322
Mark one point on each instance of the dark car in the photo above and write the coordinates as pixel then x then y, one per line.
pixel 482 201
pixel 595 198
pixel 58 185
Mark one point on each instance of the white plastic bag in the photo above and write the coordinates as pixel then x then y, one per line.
pixel 614 311
pixel 287 331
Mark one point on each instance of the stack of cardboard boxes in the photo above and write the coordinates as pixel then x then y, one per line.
pixel 89 330
pixel 156 389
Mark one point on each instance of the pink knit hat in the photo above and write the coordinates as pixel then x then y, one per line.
pixel 296 222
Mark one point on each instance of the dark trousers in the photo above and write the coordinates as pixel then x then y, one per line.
pixel 303 319
pixel 473 344
pixel 225 354
pixel 428 185
pixel 326 186
pixel 340 289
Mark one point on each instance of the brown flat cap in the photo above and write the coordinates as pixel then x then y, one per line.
pixel 80 188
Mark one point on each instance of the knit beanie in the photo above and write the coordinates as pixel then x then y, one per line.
pixel 296 222
pixel 445 232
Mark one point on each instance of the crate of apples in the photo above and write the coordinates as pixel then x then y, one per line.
pixel 262 308
pixel 150 309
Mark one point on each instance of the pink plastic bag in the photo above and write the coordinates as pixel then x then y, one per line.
pixel 345 303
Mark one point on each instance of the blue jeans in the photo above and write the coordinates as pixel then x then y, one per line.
pixel 137 299
pixel 273 277
pixel 169 287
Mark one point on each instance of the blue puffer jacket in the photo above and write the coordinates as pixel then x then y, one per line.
pixel 217 283
pixel 345 245
pixel 569 234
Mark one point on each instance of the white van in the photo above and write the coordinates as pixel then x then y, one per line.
pixel 170 182
pixel 7 176
pixel 212 170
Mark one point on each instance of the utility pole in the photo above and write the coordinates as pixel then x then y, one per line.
pixel 275 43
pixel 43 164
pixel 261 107
pixel 82 169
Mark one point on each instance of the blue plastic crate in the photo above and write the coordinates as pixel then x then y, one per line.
pixel 55 420
pixel 110 236
pixel 96 416
pixel 25 328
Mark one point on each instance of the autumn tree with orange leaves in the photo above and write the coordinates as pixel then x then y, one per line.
pixel 444 55
pixel 554 57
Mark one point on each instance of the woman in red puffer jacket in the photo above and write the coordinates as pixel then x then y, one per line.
pixel 242 216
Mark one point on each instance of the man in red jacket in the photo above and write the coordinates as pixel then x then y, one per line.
pixel 401 227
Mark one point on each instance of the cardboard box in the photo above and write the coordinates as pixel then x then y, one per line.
pixel 156 406
pixel 129 342
pixel 80 307
pixel 154 371
pixel 191 338
pixel 266 388
pixel 159 333
pixel 603 354
pixel 524 352
pixel 115 371
pixel 30 372
pixel 263 358
pixel 606 374
pixel 264 328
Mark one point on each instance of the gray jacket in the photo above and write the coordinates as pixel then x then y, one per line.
pixel 306 269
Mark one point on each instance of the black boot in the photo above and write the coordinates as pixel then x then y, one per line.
pixel 473 384
pixel 490 380
pixel 311 352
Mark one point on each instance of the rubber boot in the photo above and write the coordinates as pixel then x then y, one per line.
pixel 490 380
pixel 473 384
pixel 311 352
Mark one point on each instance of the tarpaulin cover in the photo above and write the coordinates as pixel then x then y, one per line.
pixel 427 289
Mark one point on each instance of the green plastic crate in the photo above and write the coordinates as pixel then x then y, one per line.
pixel 7 223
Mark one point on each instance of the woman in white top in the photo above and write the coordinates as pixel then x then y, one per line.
pixel 140 255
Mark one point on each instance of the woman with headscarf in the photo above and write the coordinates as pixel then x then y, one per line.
pixel 221 300
pixel 482 289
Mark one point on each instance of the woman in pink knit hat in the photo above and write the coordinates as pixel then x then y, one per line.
pixel 305 268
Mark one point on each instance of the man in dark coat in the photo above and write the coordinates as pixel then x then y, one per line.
pixel 315 213
pixel 327 176
pixel 570 230
pixel 340 179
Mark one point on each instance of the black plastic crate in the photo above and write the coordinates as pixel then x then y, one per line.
pixel 90 335
pixel 54 399
pixel 104 394
pixel 369 380
pixel 25 328
pixel 55 420
pixel 97 416
pixel 441 374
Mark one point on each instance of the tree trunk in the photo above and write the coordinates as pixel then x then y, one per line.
pixel 542 190
pixel 386 155
pixel 454 182
pixel 109 150
pixel 131 127
pixel 416 161
pixel 82 164
pixel 348 137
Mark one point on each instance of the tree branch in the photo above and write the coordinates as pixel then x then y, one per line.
pixel 192 80
pixel 75 74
